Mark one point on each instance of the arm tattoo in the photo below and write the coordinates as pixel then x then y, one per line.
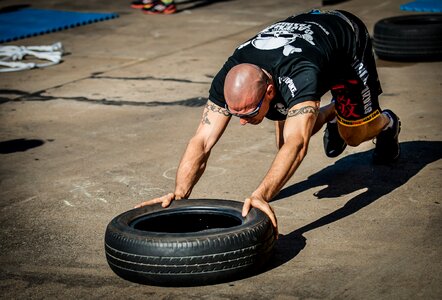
pixel 302 111
pixel 214 108
pixel 205 119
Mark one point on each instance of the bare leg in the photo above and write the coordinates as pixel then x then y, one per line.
pixel 326 114
pixel 279 132
pixel 354 136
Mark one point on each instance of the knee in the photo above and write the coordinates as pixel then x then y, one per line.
pixel 352 136
pixel 352 141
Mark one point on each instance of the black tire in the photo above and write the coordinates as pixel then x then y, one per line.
pixel 409 38
pixel 193 242
pixel 331 2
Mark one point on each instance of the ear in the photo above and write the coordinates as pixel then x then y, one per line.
pixel 271 92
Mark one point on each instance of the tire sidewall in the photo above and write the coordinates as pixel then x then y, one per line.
pixel 121 236
pixel 409 38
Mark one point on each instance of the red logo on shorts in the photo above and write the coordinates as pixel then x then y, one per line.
pixel 345 107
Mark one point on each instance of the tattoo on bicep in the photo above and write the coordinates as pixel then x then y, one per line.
pixel 205 119
pixel 302 111
pixel 214 108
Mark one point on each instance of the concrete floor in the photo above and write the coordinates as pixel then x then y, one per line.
pixel 106 128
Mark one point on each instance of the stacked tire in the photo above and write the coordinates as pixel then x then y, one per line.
pixel 409 38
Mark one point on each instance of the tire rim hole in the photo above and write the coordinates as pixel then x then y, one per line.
pixel 185 222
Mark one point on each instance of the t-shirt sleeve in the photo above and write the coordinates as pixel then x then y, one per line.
pixel 299 85
pixel 216 92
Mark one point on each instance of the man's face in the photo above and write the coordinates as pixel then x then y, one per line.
pixel 257 119
pixel 251 94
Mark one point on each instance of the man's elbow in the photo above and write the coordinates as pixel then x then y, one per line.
pixel 203 145
pixel 302 149
pixel 298 149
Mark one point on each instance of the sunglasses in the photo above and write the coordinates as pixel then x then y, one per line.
pixel 249 114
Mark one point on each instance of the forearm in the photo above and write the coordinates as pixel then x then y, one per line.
pixel 191 168
pixel 282 169
pixel 298 129
pixel 193 163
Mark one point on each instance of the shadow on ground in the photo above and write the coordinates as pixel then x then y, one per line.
pixel 350 174
pixel 19 145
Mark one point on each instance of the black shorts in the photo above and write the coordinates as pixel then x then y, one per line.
pixel 357 96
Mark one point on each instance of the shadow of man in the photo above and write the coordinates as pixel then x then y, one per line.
pixel 353 173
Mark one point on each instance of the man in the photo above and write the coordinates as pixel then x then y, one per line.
pixel 281 74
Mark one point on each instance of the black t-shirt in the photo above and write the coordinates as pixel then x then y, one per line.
pixel 306 54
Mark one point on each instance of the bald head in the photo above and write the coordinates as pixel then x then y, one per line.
pixel 244 86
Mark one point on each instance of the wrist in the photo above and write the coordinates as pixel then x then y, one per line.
pixel 179 194
pixel 259 195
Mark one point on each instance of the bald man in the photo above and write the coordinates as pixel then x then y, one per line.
pixel 281 74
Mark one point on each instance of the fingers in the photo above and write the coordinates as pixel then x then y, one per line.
pixel 268 210
pixel 164 200
pixel 264 207
pixel 271 213
pixel 150 202
pixel 246 207
pixel 274 222
pixel 167 199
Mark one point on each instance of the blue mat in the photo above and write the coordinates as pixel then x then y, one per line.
pixel 423 6
pixel 27 22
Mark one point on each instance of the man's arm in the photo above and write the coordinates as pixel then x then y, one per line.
pixel 298 129
pixel 326 114
pixel 193 163
pixel 279 133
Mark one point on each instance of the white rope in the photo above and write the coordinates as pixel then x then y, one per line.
pixel 9 55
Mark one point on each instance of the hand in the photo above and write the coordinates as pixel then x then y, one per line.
pixel 262 205
pixel 164 200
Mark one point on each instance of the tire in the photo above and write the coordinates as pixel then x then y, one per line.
pixel 331 2
pixel 409 38
pixel 193 242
